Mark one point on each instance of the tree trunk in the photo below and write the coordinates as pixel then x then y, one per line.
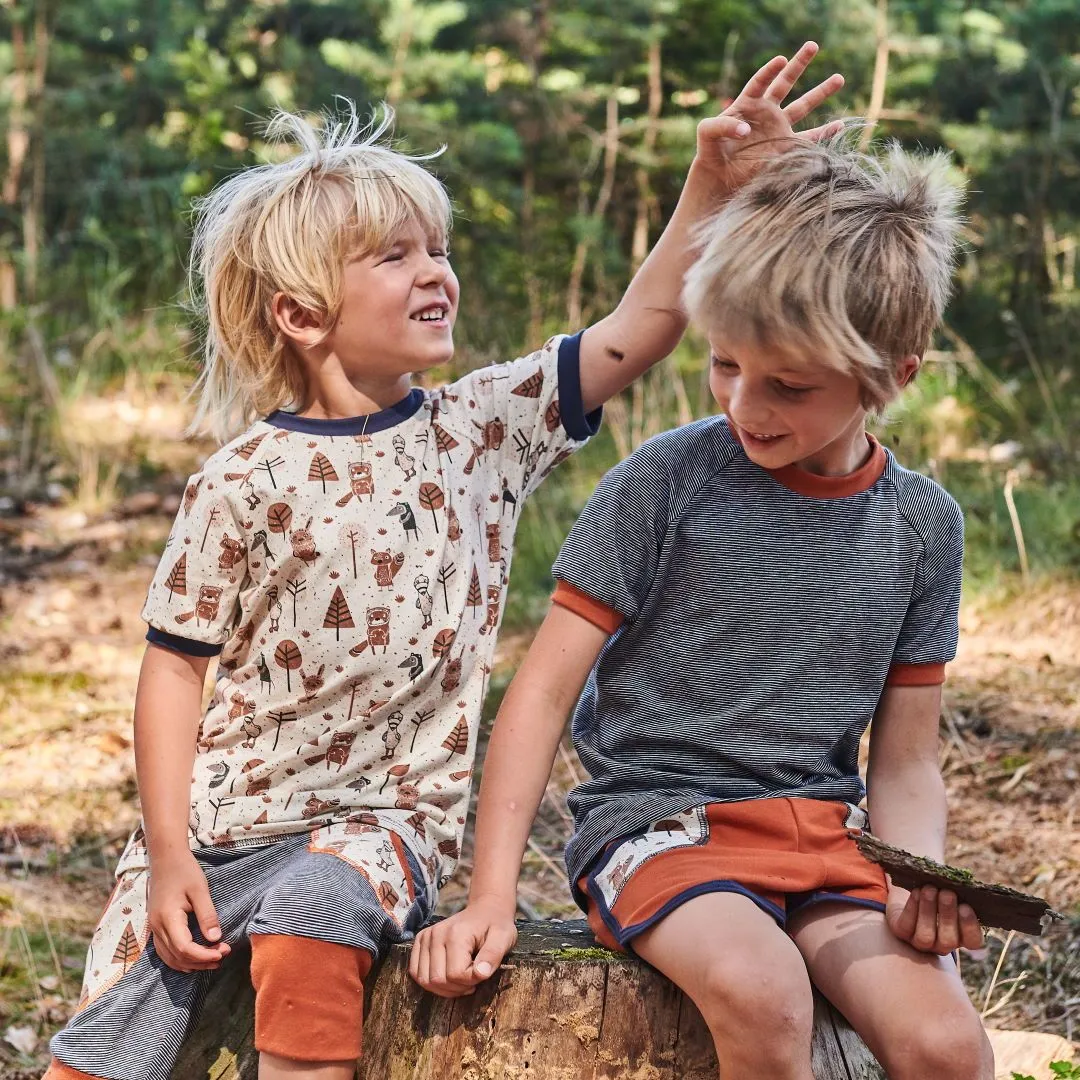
pixel 33 220
pixel 607 187
pixel 881 74
pixel 646 202
pixel 560 1008
pixel 396 82
pixel 18 141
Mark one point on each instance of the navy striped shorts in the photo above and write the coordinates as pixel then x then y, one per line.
pixel 366 890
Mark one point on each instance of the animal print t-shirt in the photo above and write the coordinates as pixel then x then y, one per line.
pixel 351 574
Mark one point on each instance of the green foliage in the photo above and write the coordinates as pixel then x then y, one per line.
pixel 1063 1069
pixel 148 103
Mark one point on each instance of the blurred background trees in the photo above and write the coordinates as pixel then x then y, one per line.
pixel 568 129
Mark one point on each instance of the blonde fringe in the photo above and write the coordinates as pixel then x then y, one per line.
pixel 289 227
pixel 833 256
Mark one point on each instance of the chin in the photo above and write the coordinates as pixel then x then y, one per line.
pixel 434 359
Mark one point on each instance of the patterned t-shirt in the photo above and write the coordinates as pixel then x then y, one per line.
pixel 756 617
pixel 351 574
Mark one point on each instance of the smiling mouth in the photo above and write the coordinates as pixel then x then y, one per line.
pixel 756 437
pixel 434 314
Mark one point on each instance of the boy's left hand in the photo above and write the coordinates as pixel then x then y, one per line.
pixel 758 117
pixel 932 920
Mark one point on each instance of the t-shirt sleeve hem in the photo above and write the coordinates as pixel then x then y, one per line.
pixel 578 424
pixel 916 675
pixel 588 607
pixel 181 644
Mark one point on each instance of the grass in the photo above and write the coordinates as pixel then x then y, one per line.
pixel 108 451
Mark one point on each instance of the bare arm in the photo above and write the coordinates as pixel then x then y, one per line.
pixel 906 800
pixel 168 704
pixel 517 766
pixel 650 319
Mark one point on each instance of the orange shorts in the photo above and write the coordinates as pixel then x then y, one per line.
pixel 781 853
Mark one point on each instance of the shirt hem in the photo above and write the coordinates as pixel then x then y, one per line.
pixel 181 644
pixel 578 424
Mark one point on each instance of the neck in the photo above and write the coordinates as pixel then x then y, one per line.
pixel 848 452
pixel 331 394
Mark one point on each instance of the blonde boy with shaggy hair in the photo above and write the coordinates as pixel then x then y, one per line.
pixel 346 560
pixel 737 602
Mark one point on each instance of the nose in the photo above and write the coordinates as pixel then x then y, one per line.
pixel 433 271
pixel 745 406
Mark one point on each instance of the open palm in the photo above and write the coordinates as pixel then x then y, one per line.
pixel 722 144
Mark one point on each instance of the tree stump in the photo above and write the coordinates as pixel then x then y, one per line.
pixel 560 1008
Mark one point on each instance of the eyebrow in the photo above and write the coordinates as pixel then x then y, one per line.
pixel 799 373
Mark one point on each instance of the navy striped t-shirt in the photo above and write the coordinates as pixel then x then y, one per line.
pixel 759 616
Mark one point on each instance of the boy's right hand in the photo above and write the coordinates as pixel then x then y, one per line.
pixel 453 956
pixel 178 888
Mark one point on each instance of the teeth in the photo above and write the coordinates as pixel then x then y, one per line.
pixel 430 316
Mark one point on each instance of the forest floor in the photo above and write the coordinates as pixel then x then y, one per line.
pixel 71 586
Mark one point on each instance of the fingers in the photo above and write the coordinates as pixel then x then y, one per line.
pixel 903 921
pixel 789 74
pixel 206 916
pixel 176 946
pixel 823 131
pixel 801 107
pixel 490 956
pixel 936 922
pixel 418 962
pixel 948 923
pixel 441 960
pixel 925 934
pixel 459 966
pixel 971 932
pixel 722 127
pixel 762 79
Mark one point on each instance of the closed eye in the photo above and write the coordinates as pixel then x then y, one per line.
pixel 793 392
pixel 723 363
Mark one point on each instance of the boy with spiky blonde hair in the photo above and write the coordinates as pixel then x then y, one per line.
pixel 737 602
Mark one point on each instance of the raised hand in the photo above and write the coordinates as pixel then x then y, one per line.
pixel 758 117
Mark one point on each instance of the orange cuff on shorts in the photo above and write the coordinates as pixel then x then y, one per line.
pixel 57 1070
pixel 309 997
pixel 916 675
pixel 589 608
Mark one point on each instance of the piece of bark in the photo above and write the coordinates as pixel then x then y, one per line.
pixel 995 905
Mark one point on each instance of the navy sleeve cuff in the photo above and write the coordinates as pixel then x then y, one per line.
pixel 181 644
pixel 577 424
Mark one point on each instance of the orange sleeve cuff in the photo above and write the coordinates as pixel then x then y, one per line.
pixel 916 675
pixel 592 610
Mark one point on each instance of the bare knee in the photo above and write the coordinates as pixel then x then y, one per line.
pixel 952 1046
pixel 744 999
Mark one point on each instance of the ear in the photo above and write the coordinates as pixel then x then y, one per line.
pixel 907 369
pixel 299 324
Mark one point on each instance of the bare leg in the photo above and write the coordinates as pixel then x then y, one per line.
pixel 910 1007
pixel 272 1067
pixel 747 979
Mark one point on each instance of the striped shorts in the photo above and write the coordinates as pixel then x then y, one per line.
pixel 353 894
